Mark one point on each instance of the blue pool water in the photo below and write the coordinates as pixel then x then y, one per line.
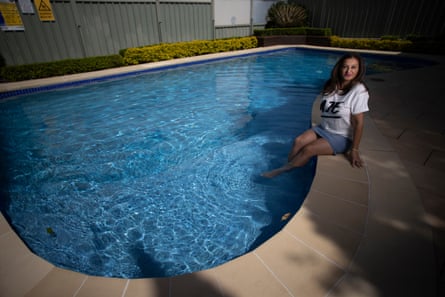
pixel 159 174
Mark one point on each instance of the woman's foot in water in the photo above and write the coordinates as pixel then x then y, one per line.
pixel 278 171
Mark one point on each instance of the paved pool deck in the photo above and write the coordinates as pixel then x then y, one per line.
pixel 375 231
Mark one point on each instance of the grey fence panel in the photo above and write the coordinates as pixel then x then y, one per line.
pixel 69 48
pixel 352 18
pixel 108 27
pixel 231 31
pixel 86 29
pixel 42 41
pixel 185 21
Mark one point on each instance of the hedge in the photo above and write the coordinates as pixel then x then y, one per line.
pixel 373 44
pixel 294 31
pixel 161 52
pixel 72 66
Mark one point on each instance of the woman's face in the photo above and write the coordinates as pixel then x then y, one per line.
pixel 349 69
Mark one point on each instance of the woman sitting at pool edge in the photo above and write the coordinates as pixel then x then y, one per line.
pixel 344 101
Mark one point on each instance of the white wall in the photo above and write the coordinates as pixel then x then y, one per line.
pixel 260 8
pixel 237 12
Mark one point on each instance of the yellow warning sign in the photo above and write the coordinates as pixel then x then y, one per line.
pixel 10 19
pixel 45 11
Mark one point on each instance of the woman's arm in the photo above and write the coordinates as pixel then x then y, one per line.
pixel 357 125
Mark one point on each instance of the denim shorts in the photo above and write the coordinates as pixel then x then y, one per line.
pixel 339 143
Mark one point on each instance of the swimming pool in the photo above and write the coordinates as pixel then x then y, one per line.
pixel 158 174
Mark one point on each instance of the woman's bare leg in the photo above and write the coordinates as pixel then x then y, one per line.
pixel 301 141
pixel 318 147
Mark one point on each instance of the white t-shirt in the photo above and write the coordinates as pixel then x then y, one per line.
pixel 336 110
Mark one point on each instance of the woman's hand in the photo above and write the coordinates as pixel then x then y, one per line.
pixel 354 158
pixel 357 125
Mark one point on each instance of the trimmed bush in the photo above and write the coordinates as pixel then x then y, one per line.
pixel 294 31
pixel 161 52
pixel 72 66
pixel 373 44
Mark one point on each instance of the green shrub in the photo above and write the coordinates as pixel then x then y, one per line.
pixel 284 15
pixel 416 38
pixel 161 52
pixel 427 44
pixel 389 37
pixel 72 66
pixel 294 31
pixel 373 44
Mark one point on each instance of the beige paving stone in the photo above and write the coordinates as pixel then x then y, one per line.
pixel 334 185
pixel 304 271
pixel 435 217
pixel 354 286
pixel 436 160
pixel 148 287
pixel 434 204
pixel 406 115
pixel 4 226
pixel 423 138
pixel 395 212
pixel 387 167
pixel 400 210
pixel 247 276
pixel 413 153
pixel 432 120
pixel 20 270
pixel 350 216
pixel 386 129
pixel 372 138
pixel 339 167
pixel 392 191
pixel 58 283
pixel 199 284
pixel 102 287
pixel 426 178
pixel 337 243
pixel 402 267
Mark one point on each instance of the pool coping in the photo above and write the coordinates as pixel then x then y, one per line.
pixel 348 239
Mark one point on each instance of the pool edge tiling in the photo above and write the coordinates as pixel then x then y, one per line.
pixel 363 235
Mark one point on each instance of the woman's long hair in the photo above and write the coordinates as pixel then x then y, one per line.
pixel 336 78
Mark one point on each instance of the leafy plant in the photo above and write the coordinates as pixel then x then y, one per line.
pixel 161 52
pixel 389 37
pixel 373 44
pixel 63 67
pixel 285 15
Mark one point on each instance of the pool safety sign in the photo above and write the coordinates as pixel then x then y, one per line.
pixel 10 19
pixel 45 11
